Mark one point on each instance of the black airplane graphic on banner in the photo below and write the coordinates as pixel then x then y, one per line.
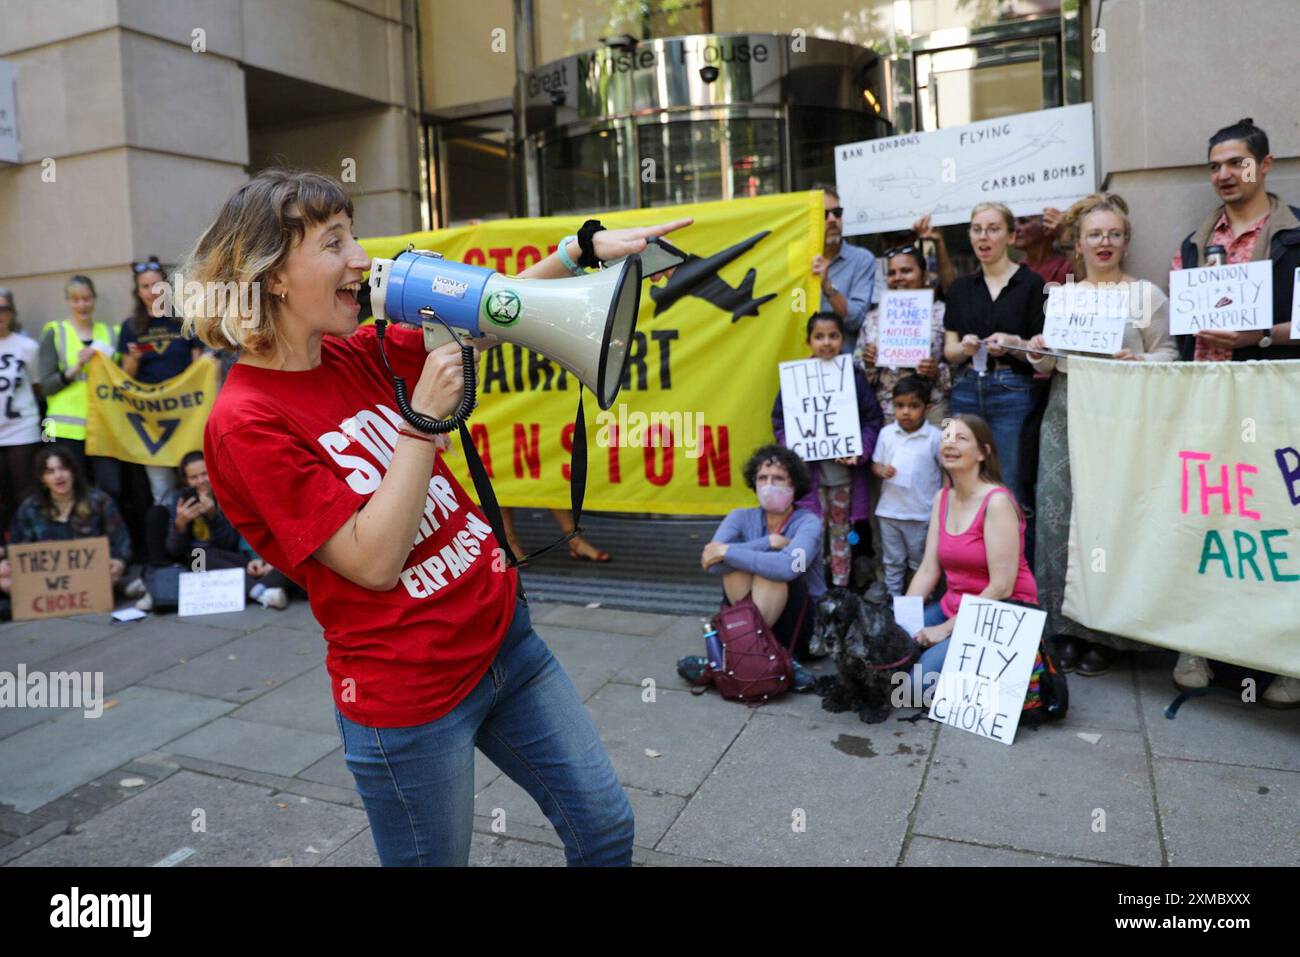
pixel 699 277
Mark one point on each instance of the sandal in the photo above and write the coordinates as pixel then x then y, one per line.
pixel 590 553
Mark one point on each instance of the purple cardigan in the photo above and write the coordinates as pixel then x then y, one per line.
pixel 872 421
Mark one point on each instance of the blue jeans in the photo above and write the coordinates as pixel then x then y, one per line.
pixel 925 672
pixel 417 783
pixel 1003 399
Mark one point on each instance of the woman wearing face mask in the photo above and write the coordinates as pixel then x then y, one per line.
pixel 66 347
pixel 1102 234
pixel 905 269
pixel 772 553
pixel 431 652
pixel 20 422
pixel 976 541
pixel 999 306
pixel 153 349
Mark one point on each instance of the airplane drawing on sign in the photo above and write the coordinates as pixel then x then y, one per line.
pixel 699 278
pixel 911 182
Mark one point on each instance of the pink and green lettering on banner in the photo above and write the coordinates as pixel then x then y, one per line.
pixel 1186 523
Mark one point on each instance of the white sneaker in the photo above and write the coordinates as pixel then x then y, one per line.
pixel 1192 671
pixel 145 603
pixel 135 589
pixel 1284 692
pixel 273 598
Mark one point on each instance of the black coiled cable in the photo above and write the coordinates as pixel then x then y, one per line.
pixel 422 422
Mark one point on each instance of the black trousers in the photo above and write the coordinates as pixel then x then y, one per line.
pixel 214 559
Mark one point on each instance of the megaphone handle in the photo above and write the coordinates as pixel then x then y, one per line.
pixel 423 422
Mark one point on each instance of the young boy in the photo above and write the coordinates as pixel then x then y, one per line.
pixel 907 459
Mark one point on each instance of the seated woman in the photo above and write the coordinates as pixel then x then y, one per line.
pixel 773 553
pixel 976 538
pixel 63 508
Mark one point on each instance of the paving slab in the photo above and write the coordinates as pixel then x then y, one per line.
pixel 51 759
pixel 500 851
pixel 330 769
pixel 246 667
pixel 690 734
pixel 591 658
pixel 357 852
pixel 245 826
pixel 934 852
pixel 506 801
pixel 31 642
pixel 138 650
pixel 603 619
pixel 797 792
pixel 305 702
pixel 657 657
pixel 257 747
pixel 1042 794
pixel 13 720
pixel 1107 702
pixel 1217 727
pixel 1223 816
pixel 298 615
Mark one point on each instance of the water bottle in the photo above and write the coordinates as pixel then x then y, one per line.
pixel 713 647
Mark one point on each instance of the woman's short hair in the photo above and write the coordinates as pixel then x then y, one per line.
pixel 250 239
pixel 999 208
pixel 817 317
pixel 7 295
pixel 779 455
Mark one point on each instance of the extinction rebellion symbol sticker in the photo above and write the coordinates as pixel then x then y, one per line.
pixel 503 307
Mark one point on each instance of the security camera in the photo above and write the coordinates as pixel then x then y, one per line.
pixel 708 73
pixel 557 98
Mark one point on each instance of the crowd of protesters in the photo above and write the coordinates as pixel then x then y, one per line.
pixel 985 505
pixel 159 520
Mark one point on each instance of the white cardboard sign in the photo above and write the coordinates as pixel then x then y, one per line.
pixel 211 593
pixel 1086 317
pixel 987 668
pixel 1028 161
pixel 904 325
pixel 819 401
pixel 1221 298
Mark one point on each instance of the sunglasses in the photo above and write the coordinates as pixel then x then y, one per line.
pixel 909 250
pixel 836 211
pixel 151 265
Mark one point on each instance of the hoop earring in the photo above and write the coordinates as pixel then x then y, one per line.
pixel 284 297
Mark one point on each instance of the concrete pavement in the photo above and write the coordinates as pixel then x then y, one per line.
pixel 218 745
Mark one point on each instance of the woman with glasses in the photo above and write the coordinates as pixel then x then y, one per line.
pixel 1102 233
pixel 20 420
pixel 991 314
pixel 153 349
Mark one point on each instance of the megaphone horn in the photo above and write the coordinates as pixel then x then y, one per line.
pixel 583 323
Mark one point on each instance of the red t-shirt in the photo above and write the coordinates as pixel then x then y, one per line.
pixel 291 456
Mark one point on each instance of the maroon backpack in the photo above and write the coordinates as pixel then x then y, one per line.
pixel 755 666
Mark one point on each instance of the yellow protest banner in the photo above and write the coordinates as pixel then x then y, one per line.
pixel 151 423
pixel 702 374
pixel 1186 525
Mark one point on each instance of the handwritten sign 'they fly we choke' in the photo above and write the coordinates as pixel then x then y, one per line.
pixel 819 400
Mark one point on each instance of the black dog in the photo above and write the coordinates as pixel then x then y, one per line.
pixel 861 633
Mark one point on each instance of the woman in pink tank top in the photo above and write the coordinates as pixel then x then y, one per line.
pixel 976 538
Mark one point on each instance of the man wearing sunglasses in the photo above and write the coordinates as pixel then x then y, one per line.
pixel 847 273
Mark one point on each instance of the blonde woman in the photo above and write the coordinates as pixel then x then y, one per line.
pixel 999 306
pixel 430 651
pixel 1102 234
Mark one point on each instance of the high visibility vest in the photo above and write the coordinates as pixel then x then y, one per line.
pixel 66 409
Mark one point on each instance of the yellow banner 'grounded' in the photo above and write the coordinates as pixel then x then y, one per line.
pixel 151 423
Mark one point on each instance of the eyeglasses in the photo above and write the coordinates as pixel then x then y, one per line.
pixel 836 211
pixel 151 265
pixel 1095 237
pixel 979 231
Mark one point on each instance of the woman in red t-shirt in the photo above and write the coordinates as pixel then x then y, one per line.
pixel 976 539
pixel 430 652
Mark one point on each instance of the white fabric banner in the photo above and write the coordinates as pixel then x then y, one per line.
pixel 1186 524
